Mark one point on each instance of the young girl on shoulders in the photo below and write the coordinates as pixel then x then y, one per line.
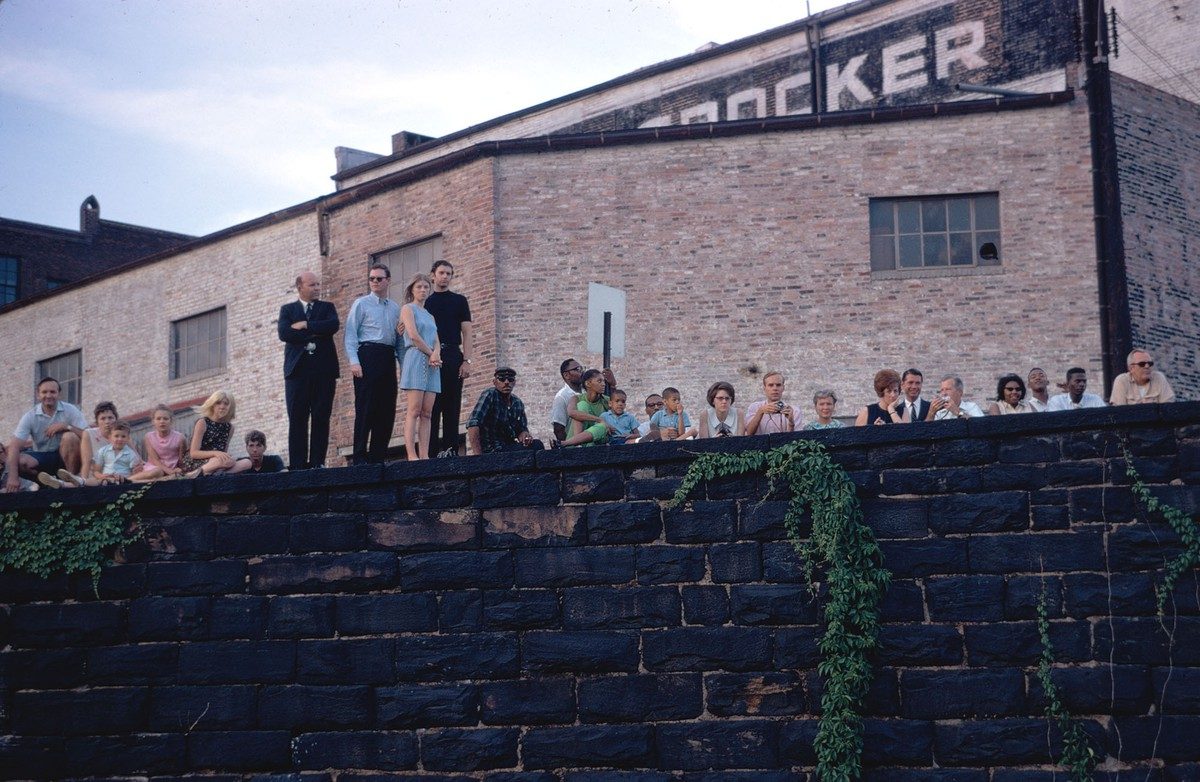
pixel 165 448
pixel 209 451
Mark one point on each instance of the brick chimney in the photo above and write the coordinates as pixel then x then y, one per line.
pixel 89 217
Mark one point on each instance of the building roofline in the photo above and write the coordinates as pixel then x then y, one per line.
pixel 74 233
pixel 683 61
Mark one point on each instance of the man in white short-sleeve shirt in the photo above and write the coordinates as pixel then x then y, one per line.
pixel 55 427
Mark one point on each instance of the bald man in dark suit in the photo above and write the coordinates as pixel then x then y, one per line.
pixel 310 371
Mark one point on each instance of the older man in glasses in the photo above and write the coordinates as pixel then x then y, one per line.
pixel 498 421
pixel 1142 384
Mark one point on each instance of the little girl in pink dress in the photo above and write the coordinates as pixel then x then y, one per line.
pixel 164 448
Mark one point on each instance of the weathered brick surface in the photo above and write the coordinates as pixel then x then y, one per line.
pixel 608 639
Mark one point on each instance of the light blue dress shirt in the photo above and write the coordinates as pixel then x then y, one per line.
pixel 372 319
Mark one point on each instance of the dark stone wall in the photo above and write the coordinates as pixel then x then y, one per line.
pixel 546 619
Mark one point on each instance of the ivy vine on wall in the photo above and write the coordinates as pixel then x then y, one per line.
pixel 65 541
pixel 1184 527
pixel 842 553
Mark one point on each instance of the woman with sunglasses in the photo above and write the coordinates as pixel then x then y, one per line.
pixel 721 418
pixel 1010 397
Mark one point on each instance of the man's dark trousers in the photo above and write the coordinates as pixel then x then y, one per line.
pixel 308 396
pixel 447 406
pixel 374 402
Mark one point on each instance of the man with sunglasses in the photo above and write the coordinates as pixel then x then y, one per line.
pixel 498 421
pixel 1142 384
pixel 371 348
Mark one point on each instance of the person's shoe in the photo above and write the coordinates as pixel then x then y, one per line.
pixel 66 476
pixel 46 479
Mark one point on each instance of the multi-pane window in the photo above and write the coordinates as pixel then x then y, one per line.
pixel 935 232
pixel 10 279
pixel 408 260
pixel 67 369
pixel 198 344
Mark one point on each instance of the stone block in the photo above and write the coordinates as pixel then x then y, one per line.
pixel 1178 689
pixel 469 749
pixel 1074 473
pixel 237 616
pixel 1045 517
pixel 300 617
pixel 1107 504
pixel 169 618
pixel 66 624
pixel 707 649
pixel 116 582
pixel 383 614
pixel 897 518
pixel 624 522
pixel 763 520
pixel 1142 546
pixel 251 535
pixel 797 647
pixel 449 494
pixel 652 488
pixel 1005 742
pixel 79 712
pixel 355 661
pixel 701 521
pixel 183 709
pixel 299 707
pixel 196 578
pixel 1091 445
pixel 520 609
pixel 705 605
pixel 920 644
pixel 709 745
pixel 945 480
pixel 561 525
pixel 1107 689
pixel 236 662
pixel 733 563
pixel 1146 642
pixel 537 701
pixel 965 599
pixel 1169 738
pixel 181 537
pixel 612 746
pixel 383 750
pixel 1017 643
pixel 450 657
pixel 670 564
pixel 625 608
pixel 1030 450
pixel 384 498
pixel 424 706
pixel 456 570
pixel 1023 593
pixel 772 604
pixel 922 558
pixel 131 664
pixel 1047 552
pixel 615 776
pixel 906 742
pixel 563 567
pixel 579 651
pixel 640 698
pixel 121 756
pixel 461 612
pixel 782 563
pixel 956 693
pixel 992 512
pixel 424 530
pixel 515 489
pixel 43 669
pixel 33 757
pixel 324 573
pixel 1019 477
pixel 593 485
pixel 901 455
pixel 327 532
pixel 757 694
pixel 967 451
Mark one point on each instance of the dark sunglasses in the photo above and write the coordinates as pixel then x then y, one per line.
pixel 377 279
pixel 1143 364
pixel 1013 388
pixel 506 376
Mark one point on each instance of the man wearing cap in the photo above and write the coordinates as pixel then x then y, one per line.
pixel 1142 384
pixel 498 422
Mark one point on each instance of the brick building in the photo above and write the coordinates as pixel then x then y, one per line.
pixel 960 186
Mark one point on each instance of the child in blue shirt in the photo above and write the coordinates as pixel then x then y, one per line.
pixel 625 424
pixel 672 423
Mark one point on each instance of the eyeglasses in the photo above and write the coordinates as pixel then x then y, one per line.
pixel 722 399
pixel 1012 388
pixel 574 369
pixel 1142 364
pixel 506 376
pixel 377 279
pixel 655 404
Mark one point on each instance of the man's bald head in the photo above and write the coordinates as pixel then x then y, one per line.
pixel 308 286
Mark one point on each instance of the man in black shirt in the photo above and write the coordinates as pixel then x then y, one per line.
pixel 257 459
pixel 452 314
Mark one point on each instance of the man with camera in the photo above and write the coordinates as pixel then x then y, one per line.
pixel 772 414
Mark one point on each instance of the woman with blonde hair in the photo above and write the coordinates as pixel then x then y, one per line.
pixel 419 373
pixel 209 450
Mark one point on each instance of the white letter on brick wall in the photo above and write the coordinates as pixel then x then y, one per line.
pixel 949 47
pixel 904 65
pixel 802 79
pixel 701 112
pixel 845 79
pixel 661 121
pixel 755 95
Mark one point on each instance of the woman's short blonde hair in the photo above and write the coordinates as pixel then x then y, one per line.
pixel 211 402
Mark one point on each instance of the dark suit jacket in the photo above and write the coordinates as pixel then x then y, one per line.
pixel 322 326
pixel 922 406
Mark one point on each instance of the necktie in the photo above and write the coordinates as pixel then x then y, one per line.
pixel 307 310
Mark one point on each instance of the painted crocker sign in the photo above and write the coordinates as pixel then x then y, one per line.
pixel 915 59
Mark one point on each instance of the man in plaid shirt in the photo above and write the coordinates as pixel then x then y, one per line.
pixel 498 421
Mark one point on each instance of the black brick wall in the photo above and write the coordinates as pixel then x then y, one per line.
pixel 545 619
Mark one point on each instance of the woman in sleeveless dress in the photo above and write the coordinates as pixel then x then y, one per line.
pixel 887 387
pixel 209 451
pixel 1010 397
pixel 420 374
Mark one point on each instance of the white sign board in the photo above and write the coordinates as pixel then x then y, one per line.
pixel 601 299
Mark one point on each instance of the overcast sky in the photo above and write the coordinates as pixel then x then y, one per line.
pixel 193 116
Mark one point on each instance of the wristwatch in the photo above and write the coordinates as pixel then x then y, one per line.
pixel 466 361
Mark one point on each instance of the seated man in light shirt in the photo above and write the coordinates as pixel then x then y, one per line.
pixel 1076 396
pixel 950 393
pixel 772 414
pixel 1142 384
